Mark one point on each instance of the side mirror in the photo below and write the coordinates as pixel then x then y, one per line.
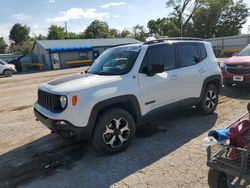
pixel 248 107
pixel 196 59
pixel 156 68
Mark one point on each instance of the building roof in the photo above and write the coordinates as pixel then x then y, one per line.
pixel 48 44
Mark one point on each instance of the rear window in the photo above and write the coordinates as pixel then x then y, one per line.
pixel 203 52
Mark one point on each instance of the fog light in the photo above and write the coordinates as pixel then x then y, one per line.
pixel 60 123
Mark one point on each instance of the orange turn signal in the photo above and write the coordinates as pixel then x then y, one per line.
pixel 74 100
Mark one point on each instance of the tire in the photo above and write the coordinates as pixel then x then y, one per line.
pixel 7 73
pixel 114 131
pixel 216 179
pixel 209 100
pixel 227 84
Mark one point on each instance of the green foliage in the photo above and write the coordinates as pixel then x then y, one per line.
pixel 56 32
pixel 139 33
pixel 19 33
pixel 97 29
pixel 163 27
pixel 23 48
pixel 73 35
pixel 40 37
pixel 3 46
pixel 220 18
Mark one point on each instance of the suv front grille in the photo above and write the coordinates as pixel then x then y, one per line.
pixel 236 69
pixel 49 101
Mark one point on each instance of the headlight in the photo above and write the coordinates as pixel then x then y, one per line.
pixel 63 101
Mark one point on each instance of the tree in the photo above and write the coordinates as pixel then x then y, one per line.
pixel 184 10
pixel 114 33
pixel 219 18
pixel 139 32
pixel 19 33
pixel 40 37
pixel 232 19
pixel 163 27
pixel 125 33
pixel 56 32
pixel 97 29
pixel 73 35
pixel 3 46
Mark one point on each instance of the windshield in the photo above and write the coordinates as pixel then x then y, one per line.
pixel 244 52
pixel 115 61
pixel 2 62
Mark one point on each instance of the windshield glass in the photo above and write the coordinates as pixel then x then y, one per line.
pixel 2 62
pixel 244 52
pixel 115 61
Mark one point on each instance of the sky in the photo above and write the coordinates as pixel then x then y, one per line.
pixel 119 14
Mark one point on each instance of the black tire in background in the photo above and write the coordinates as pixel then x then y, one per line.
pixel 110 139
pixel 216 179
pixel 7 73
pixel 209 100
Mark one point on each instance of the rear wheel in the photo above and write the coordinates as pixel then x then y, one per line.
pixel 209 100
pixel 7 73
pixel 216 179
pixel 114 131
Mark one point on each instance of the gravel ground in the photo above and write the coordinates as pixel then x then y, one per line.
pixel 168 153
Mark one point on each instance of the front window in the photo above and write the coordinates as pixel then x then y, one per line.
pixel 115 61
pixel 245 52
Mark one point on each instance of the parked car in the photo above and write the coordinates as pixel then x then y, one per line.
pixel 7 69
pixel 128 86
pixel 236 70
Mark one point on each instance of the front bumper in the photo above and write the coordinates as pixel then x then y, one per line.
pixel 66 130
pixel 228 78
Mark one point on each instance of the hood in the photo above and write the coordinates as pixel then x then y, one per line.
pixel 238 60
pixel 10 66
pixel 78 82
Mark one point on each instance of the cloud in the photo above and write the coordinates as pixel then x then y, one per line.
pixel 37 29
pixel 20 16
pixel 245 27
pixel 5 31
pixel 78 13
pixel 113 4
pixel 51 1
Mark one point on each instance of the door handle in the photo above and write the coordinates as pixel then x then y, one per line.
pixel 174 77
pixel 202 70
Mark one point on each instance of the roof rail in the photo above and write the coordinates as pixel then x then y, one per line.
pixel 172 38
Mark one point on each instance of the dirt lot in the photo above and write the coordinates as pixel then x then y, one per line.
pixel 169 154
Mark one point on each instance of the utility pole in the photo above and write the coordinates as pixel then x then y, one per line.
pixel 181 19
pixel 66 31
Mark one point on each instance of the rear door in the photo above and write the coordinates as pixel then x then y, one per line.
pixel 193 69
pixel 163 88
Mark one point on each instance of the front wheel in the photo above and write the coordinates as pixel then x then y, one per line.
pixel 7 73
pixel 114 131
pixel 209 100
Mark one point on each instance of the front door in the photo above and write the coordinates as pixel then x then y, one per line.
pixel 162 89
pixel 56 61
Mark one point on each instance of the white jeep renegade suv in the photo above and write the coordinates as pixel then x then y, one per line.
pixel 128 86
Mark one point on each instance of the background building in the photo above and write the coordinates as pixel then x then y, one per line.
pixel 56 54
pixel 227 46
